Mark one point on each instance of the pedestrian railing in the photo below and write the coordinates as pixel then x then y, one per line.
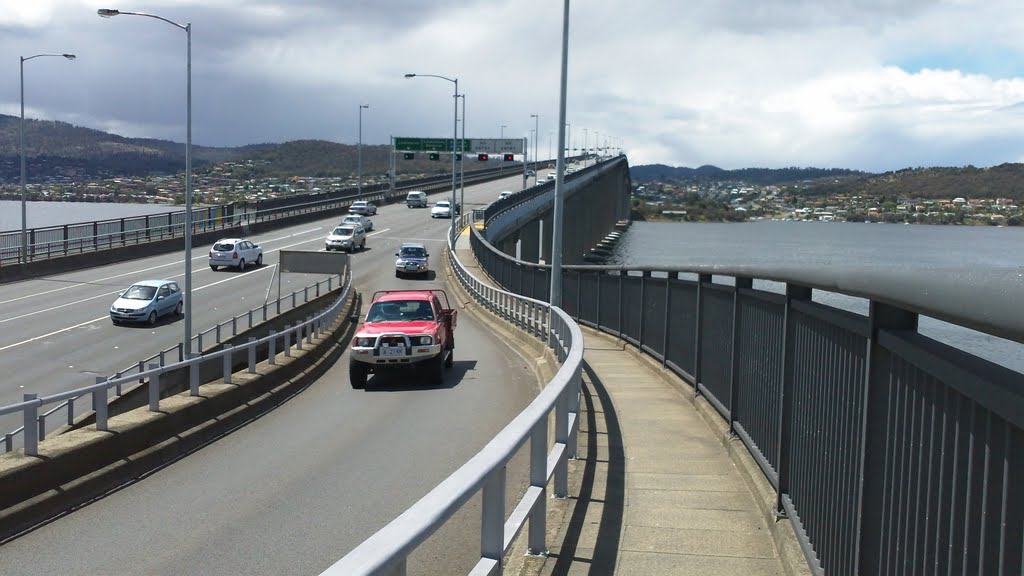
pixel 148 372
pixel 889 451
pixel 387 551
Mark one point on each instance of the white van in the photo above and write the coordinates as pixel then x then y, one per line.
pixel 416 199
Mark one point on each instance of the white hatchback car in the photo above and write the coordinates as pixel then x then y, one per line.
pixel 235 252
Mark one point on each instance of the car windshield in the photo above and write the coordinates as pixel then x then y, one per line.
pixel 442 205
pixel 224 246
pixel 139 292
pixel 412 252
pixel 345 231
pixel 400 311
pixel 352 219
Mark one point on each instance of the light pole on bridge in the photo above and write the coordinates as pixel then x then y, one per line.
pixel 21 145
pixel 359 168
pixel 455 132
pixel 187 27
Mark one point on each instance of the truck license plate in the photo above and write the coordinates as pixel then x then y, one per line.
pixel 393 351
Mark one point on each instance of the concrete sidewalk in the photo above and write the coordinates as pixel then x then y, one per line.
pixel 655 490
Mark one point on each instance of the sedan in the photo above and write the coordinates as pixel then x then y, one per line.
pixel 357 219
pixel 146 301
pixel 442 209
pixel 363 207
pixel 235 252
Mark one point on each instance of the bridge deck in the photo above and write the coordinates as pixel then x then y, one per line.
pixel 654 491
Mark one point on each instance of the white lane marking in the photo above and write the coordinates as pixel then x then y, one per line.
pixel 175 263
pixel 380 232
pixel 414 239
pixel 33 339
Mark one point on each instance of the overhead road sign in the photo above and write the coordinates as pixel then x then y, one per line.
pixel 474 145
pixel 427 145
pixel 497 145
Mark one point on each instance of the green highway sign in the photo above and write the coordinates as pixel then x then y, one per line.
pixel 427 144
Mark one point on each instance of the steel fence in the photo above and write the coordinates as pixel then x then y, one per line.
pixel 890 452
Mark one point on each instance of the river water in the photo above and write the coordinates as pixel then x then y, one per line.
pixel 41 214
pixel 839 244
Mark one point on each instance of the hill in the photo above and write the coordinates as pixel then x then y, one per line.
pixel 1002 181
pixel 762 176
pixel 64 152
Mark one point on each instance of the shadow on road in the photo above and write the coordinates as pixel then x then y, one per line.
pixel 413 379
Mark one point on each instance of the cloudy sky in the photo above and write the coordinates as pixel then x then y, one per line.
pixel 867 84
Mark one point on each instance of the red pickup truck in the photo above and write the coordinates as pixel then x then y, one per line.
pixel 404 329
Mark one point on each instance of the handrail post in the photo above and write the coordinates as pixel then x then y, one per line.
pixel 154 389
pixel 573 390
pixel 228 363
pixel 698 342
pixel 193 376
pixel 99 405
pixel 272 348
pixel 252 354
pixel 287 340
pixel 785 406
pixel 30 417
pixel 536 544
pixel 734 380
pixel 562 437
pixel 309 330
pixel 492 521
pixel 299 336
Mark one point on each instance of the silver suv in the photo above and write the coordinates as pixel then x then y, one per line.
pixel 412 259
pixel 346 237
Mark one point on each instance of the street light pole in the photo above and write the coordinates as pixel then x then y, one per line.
pixel 359 153
pixel 536 137
pixel 21 145
pixel 462 161
pixel 455 132
pixel 187 27
pixel 556 232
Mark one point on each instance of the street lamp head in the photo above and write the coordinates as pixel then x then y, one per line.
pixel 410 75
pixel 364 105
pixel 69 56
pixel 107 12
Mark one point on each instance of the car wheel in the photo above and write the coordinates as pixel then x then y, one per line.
pixel 115 322
pixel 177 309
pixel 362 245
pixel 259 260
pixel 212 267
pixel 152 318
pixel 450 359
pixel 398 274
pixel 436 368
pixel 357 375
pixel 241 265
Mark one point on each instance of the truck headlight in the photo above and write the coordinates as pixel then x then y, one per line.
pixel 426 340
pixel 364 342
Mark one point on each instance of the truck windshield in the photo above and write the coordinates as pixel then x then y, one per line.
pixel 400 311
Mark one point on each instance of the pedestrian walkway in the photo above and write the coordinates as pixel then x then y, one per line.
pixel 653 491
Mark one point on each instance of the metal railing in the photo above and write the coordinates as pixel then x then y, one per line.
pixel 386 552
pixel 147 373
pixel 889 451
pixel 71 239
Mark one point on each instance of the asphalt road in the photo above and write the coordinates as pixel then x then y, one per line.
pixel 293 491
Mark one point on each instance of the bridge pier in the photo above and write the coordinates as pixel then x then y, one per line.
pixel 529 241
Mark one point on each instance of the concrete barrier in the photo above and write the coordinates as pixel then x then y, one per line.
pixel 75 467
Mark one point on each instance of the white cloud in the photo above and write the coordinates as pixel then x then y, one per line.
pixel 730 83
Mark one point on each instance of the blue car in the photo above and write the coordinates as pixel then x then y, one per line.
pixel 147 301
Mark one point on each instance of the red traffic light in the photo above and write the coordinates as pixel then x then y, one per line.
pixel 481 157
pixel 509 157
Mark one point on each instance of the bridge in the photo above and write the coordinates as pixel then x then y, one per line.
pixel 856 444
